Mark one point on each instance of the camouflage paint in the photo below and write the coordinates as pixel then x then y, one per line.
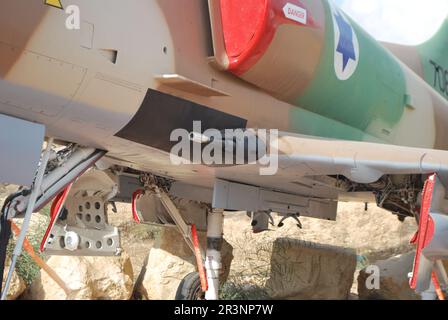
pixel 309 123
pixel 434 59
pixel 376 91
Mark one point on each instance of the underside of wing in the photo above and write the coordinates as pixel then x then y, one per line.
pixel 328 171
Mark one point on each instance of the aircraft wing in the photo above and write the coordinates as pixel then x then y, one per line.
pixel 361 162
pixel 307 176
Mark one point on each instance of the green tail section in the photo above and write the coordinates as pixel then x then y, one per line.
pixel 434 55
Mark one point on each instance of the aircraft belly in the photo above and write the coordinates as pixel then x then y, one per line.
pixel 293 181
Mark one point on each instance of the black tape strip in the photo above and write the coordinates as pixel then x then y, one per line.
pixel 160 114
pixel 214 243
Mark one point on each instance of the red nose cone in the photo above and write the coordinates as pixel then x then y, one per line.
pixel 241 21
pixel 249 26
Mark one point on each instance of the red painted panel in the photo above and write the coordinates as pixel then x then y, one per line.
pixel 249 27
pixel 55 210
pixel 426 227
pixel 241 21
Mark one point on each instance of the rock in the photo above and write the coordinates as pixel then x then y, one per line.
pixel 394 281
pixel 6 190
pixel 89 278
pixel 307 271
pixel 170 260
pixel 17 285
pixel 113 281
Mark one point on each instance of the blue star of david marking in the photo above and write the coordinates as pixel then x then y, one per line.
pixel 345 45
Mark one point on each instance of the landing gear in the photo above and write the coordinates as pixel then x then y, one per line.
pixel 213 264
pixel 81 228
pixel 79 223
pixel 208 281
pixel 190 288
pixel 58 168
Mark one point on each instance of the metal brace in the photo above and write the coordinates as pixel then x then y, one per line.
pixel 182 226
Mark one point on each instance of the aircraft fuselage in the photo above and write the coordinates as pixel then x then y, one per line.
pixel 134 72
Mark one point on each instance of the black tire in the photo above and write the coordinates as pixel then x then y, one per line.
pixel 190 288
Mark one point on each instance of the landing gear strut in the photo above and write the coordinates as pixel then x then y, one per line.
pixel 208 280
pixel 213 263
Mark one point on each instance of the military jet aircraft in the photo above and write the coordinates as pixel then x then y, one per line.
pixel 188 108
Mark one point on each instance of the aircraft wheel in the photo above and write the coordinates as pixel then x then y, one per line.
pixel 190 288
